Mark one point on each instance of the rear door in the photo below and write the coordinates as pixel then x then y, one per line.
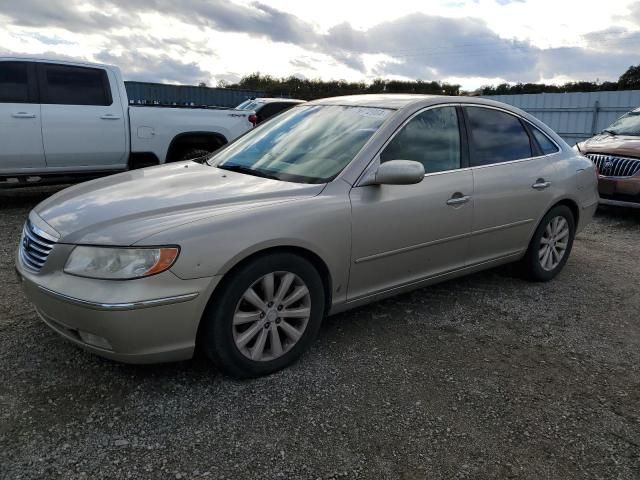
pixel 402 234
pixel 514 182
pixel 20 131
pixel 83 123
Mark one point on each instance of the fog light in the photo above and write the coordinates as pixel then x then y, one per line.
pixel 94 340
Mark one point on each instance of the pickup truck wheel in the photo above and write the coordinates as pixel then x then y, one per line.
pixel 267 313
pixel 194 153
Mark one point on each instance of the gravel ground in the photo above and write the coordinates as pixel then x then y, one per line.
pixel 483 377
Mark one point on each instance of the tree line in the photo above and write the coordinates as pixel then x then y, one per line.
pixel 310 89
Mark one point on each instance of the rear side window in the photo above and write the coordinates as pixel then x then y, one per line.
pixel 14 82
pixel 496 136
pixel 431 138
pixel 66 85
pixel 271 109
pixel 546 145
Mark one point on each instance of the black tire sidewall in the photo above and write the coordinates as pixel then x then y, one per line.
pixel 193 154
pixel 216 338
pixel 533 268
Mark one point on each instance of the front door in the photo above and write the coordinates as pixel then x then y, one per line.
pixel 83 123
pixel 406 233
pixel 20 130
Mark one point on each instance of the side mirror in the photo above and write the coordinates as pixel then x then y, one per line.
pixel 396 172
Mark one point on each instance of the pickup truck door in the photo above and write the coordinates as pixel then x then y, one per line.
pixel 20 131
pixel 83 122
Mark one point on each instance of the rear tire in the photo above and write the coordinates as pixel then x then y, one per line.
pixel 249 338
pixel 550 246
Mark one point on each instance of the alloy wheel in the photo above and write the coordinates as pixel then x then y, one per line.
pixel 554 243
pixel 271 316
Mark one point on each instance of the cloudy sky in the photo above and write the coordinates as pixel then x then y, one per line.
pixel 471 42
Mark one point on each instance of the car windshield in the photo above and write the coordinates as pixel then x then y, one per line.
pixel 247 105
pixel 307 144
pixel 628 124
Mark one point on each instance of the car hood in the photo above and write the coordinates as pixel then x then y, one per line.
pixel 126 208
pixel 623 145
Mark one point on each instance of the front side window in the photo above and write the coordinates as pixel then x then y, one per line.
pixel 14 82
pixel 66 85
pixel 431 138
pixel 307 144
pixel 496 136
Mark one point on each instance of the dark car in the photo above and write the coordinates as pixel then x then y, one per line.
pixel 616 154
pixel 267 107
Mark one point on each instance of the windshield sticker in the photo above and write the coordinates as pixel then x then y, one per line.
pixel 371 112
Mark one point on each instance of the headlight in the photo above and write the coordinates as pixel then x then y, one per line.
pixel 119 263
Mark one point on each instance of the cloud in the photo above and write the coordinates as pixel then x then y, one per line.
pixel 415 46
pixel 65 14
pixel 160 68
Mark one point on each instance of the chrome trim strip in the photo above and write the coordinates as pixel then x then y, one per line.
pixel 619 203
pixel 514 255
pixel 120 306
pixel 43 234
pixel 389 253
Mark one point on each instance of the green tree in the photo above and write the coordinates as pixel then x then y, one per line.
pixel 630 80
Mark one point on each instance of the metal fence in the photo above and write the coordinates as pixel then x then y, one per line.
pixel 575 116
pixel 146 93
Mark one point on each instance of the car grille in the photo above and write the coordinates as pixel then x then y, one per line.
pixel 35 246
pixel 614 166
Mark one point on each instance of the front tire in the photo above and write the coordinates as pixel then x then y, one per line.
pixel 265 315
pixel 551 245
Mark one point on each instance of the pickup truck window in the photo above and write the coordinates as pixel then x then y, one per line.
pixel 14 82
pixel 307 144
pixel 66 85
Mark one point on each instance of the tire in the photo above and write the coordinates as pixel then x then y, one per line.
pixel 224 340
pixel 540 266
pixel 193 154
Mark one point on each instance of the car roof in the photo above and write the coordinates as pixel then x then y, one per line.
pixel 279 100
pixel 61 61
pixel 397 101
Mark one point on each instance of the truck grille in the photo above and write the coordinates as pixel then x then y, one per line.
pixel 35 246
pixel 614 166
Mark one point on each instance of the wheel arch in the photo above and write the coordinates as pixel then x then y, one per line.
pixel 196 139
pixel 566 201
pixel 312 257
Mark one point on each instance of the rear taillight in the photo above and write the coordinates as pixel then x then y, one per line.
pixel 253 119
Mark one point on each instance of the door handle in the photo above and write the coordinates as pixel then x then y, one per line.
pixel 23 115
pixel 454 201
pixel 541 184
pixel 110 116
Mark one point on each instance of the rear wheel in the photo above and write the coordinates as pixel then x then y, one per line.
pixel 265 316
pixel 551 245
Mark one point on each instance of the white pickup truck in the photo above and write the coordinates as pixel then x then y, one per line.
pixel 66 119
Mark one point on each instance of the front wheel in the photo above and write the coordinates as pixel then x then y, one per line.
pixel 551 245
pixel 266 314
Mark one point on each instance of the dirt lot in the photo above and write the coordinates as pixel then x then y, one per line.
pixel 484 377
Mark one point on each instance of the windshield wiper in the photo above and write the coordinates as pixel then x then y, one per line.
pixel 248 171
pixel 610 132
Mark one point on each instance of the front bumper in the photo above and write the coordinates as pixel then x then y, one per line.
pixel 147 320
pixel 620 191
